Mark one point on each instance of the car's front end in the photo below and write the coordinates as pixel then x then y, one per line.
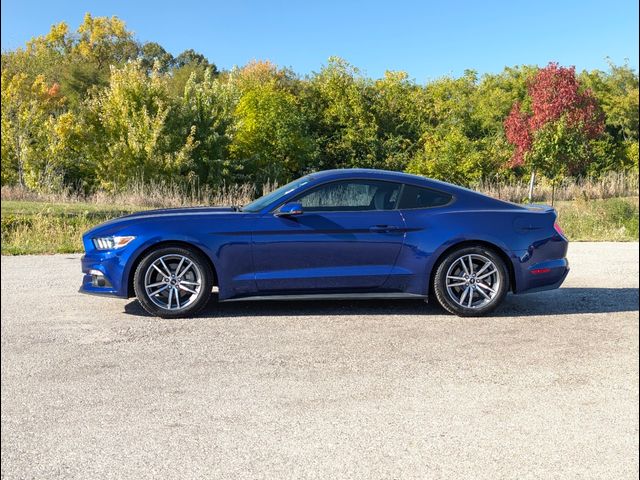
pixel 105 262
pixel 113 249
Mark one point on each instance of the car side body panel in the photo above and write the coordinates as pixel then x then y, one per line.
pixel 326 251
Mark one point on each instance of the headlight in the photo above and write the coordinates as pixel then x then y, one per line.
pixel 111 243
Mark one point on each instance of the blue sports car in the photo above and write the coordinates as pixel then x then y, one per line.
pixel 350 233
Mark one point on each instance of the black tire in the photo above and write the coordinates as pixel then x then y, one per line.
pixel 449 295
pixel 199 277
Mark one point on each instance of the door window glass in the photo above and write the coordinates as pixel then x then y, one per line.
pixel 351 195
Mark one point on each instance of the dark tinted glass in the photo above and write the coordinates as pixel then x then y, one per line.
pixel 351 195
pixel 417 197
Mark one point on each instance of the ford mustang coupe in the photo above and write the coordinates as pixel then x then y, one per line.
pixel 339 234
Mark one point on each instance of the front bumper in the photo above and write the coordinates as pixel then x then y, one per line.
pixel 103 275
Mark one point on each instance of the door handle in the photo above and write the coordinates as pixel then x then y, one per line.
pixel 383 228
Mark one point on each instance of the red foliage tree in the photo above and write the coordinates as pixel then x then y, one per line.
pixel 518 133
pixel 554 93
pixel 54 90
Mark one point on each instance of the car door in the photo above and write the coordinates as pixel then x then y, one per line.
pixel 346 240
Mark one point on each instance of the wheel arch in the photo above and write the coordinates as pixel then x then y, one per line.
pixel 474 243
pixel 164 244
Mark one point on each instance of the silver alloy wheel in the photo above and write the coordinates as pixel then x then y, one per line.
pixel 173 282
pixel 473 281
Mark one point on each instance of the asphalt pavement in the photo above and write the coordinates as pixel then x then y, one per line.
pixel 93 388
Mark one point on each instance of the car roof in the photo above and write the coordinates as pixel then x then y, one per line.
pixel 382 175
pixel 374 174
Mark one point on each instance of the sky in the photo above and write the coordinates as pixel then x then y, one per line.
pixel 427 39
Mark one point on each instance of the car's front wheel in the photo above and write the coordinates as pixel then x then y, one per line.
pixel 173 282
pixel 471 281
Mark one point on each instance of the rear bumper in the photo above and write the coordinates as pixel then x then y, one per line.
pixel 548 280
pixel 543 266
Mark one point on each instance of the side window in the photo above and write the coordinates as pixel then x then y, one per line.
pixel 417 197
pixel 351 195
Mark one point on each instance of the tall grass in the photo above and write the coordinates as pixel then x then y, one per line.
pixel 47 231
pixel 588 209
pixel 38 227
pixel 612 185
pixel 146 195
pixel 610 219
pixel 186 193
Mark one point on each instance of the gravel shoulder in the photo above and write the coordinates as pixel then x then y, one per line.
pixel 92 388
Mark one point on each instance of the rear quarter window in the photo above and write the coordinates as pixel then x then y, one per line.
pixel 419 197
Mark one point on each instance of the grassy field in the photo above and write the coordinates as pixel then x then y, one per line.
pixel 38 227
pixel 33 227
pixel 610 220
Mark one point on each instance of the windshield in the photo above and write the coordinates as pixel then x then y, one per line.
pixel 269 198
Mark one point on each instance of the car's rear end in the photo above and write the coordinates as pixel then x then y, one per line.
pixel 543 265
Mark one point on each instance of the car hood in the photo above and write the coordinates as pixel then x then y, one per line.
pixel 168 212
pixel 116 224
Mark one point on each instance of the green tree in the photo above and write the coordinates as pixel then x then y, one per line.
pixel 133 133
pixel 559 149
pixel 93 108
pixel 77 61
pixel 448 103
pixel 617 94
pixel 191 57
pixel 208 107
pixel 631 154
pixel 185 65
pixel 42 56
pixel 153 55
pixel 105 41
pixel 269 135
pixel 27 107
pixel 451 156
pixel 339 108
pixel 495 95
pixel 398 116
pixel 606 155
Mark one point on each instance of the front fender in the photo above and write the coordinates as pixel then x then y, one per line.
pixel 154 242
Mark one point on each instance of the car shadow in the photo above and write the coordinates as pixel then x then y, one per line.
pixel 554 302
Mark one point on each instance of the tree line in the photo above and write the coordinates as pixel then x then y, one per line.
pixel 94 108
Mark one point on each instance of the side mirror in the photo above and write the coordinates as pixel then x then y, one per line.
pixel 289 209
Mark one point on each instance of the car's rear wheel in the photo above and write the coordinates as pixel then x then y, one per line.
pixel 471 281
pixel 173 282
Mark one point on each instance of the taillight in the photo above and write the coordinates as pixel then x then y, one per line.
pixel 540 271
pixel 558 229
